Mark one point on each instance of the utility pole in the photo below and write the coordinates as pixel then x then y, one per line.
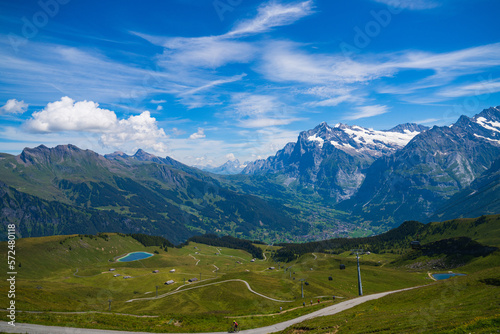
pixel 302 286
pixel 360 286
pixel 109 306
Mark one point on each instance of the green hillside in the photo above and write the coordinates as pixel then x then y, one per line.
pixel 466 304
pixel 63 190
pixel 60 275
pixel 485 230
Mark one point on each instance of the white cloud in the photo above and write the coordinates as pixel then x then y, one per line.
pixel 230 157
pixel 410 4
pixel 287 62
pixel 205 52
pixel 68 115
pixel 192 63
pixel 272 15
pixel 214 83
pixel 479 88
pixel 332 102
pixel 267 122
pixel 283 61
pixel 159 108
pixel 245 104
pixel 198 135
pixel 258 111
pixel 48 71
pixel 14 106
pixel 139 131
pixel 368 111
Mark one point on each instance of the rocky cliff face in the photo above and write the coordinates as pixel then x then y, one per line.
pixel 414 181
pixel 333 159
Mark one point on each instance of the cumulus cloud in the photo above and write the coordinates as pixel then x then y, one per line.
pixel 66 115
pixel 230 157
pixel 141 129
pixel 14 106
pixel 198 135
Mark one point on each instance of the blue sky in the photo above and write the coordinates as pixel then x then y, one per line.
pixel 207 81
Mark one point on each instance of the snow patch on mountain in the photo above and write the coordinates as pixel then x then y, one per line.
pixel 316 138
pixel 362 141
pixel 489 125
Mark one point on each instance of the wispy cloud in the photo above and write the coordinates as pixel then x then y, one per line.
pixel 272 15
pixel 258 111
pixel 485 86
pixel 193 62
pixel 368 111
pixel 410 4
pixel 214 83
pixel 50 71
pixel 285 62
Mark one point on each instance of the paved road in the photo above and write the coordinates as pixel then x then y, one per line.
pixel 38 329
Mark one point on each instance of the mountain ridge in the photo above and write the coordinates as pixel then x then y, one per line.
pixel 436 164
pixel 161 191
pixel 333 159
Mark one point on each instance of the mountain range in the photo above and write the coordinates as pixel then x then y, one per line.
pixel 230 167
pixel 65 189
pixel 334 160
pixel 331 180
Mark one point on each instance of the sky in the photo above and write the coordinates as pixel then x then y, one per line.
pixel 209 81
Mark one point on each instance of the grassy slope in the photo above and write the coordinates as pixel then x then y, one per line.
pixel 459 305
pixel 48 281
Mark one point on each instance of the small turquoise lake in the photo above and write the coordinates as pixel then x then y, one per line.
pixel 135 256
pixel 445 276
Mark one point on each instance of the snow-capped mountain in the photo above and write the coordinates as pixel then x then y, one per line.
pixel 228 168
pixel 334 159
pixel 356 140
pixel 436 164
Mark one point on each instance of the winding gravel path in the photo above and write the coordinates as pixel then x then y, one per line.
pixel 202 286
pixel 330 310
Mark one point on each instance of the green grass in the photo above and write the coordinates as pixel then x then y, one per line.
pixel 458 305
pixel 71 274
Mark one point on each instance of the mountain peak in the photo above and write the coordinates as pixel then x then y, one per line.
pixel 408 127
pixel 45 155
pixel 228 168
pixel 142 155
pixel 491 114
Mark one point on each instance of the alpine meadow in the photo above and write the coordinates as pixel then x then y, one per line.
pixel 258 166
